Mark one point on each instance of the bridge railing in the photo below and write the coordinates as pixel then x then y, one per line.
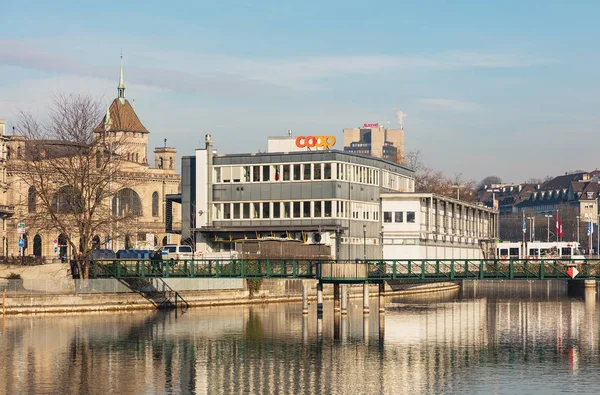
pixel 351 270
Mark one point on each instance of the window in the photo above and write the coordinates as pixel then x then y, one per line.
pixel 387 216
pixel 128 201
pixel 266 212
pixel 514 252
pixel 227 211
pixel 306 209
pixel 296 209
pixel 236 211
pixel 286 172
pixel 217 211
pixel 256 210
pixel 306 172
pixel 296 172
pixel 399 217
pixel 327 171
pixel 276 171
pixel 155 204
pixel 534 251
pixel 286 210
pixel 31 200
pixel 316 171
pixel 247 170
pixel 327 209
pixel 317 209
pixel 246 210
pixel 217 174
pixel 256 173
pixel 266 173
pixel 276 210
pixel 410 217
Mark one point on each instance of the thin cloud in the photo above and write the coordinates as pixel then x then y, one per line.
pixel 226 75
pixel 454 105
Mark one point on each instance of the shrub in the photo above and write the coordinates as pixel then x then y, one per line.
pixel 14 276
pixel 254 285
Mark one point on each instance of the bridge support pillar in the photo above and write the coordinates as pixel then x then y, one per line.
pixel 382 297
pixel 344 301
pixel 304 298
pixel 366 298
pixel 319 298
pixel 336 297
pixel 589 284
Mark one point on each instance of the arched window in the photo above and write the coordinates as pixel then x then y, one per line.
pixel 170 163
pixel 127 201
pixel 67 201
pixel 31 199
pixel 7 153
pixel 160 163
pixel 155 241
pixel 137 157
pixel 19 152
pixel 96 241
pixel 164 241
pixel 155 204
pixel 128 156
pixel 127 242
pixel 37 245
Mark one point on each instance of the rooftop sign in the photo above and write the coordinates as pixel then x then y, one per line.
pixel 370 125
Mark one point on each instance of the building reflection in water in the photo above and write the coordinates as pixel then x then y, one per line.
pixel 442 342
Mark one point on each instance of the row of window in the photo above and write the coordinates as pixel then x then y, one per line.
pixel 399 217
pixel 295 210
pixel 67 201
pixel 311 172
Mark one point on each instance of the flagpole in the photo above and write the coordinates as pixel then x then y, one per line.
pixel 524 232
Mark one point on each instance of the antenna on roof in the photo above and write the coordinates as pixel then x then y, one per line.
pixel 290 132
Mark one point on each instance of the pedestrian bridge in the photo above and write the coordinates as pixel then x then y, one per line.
pixel 357 271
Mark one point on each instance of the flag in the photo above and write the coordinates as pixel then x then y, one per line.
pixel 524 224
pixel 590 227
pixel 557 225
pixel 560 231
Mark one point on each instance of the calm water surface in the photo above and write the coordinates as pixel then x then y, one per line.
pixel 494 339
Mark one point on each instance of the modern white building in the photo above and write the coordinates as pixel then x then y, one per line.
pixel 297 198
pixel 430 226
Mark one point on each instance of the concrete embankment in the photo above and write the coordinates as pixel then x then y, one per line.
pixel 47 289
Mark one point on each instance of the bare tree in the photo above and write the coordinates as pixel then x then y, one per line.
pixel 435 181
pixel 71 173
pixel 489 180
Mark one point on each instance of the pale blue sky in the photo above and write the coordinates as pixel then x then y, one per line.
pixel 508 88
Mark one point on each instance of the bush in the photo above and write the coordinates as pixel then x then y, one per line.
pixel 14 276
pixel 254 285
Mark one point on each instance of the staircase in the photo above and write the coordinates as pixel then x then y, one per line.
pixel 158 292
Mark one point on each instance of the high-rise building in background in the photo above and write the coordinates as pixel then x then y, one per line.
pixel 375 140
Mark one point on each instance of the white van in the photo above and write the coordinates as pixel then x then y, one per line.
pixel 177 252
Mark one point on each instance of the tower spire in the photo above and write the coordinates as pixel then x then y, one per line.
pixel 121 88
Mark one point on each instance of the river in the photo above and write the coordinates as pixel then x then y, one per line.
pixel 485 339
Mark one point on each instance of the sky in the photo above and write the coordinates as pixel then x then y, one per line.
pixel 506 88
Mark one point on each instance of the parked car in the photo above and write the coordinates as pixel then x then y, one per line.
pixel 177 252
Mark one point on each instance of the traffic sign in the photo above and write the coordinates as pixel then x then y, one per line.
pixel 21 228
pixel 572 272
pixel 55 249
pixel 21 243
pixel 55 242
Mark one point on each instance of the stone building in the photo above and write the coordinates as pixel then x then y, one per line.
pixel 145 198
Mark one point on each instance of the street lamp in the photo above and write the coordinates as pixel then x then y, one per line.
pixel 548 218
pixel 365 242
pixel 577 228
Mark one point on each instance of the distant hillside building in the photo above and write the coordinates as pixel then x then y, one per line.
pixel 375 140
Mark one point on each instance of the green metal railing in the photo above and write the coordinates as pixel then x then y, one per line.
pixel 352 271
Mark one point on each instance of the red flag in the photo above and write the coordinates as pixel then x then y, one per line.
pixel 557 228
pixel 561 235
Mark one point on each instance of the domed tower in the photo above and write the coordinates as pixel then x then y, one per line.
pixel 122 122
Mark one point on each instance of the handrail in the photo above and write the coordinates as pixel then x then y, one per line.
pixel 354 270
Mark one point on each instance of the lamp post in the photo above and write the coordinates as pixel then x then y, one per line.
pixel 577 217
pixel 548 218
pixel 365 242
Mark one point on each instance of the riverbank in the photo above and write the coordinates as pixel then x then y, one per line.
pixel 47 289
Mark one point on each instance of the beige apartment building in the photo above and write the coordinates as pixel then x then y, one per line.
pixel 144 197
pixel 376 140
